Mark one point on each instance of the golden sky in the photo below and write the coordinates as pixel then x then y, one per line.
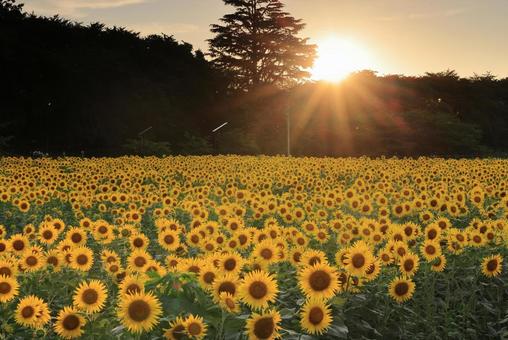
pixel 399 36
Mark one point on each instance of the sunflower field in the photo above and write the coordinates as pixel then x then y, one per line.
pixel 231 247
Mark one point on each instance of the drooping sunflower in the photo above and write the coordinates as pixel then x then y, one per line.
pixel 32 312
pixel 195 327
pixel 225 283
pixel 264 326
pixel 132 284
pixel 139 312
pixel 319 280
pixel 359 258
pixel 8 288
pixel 409 264
pixel 8 268
pixel 258 289
pixel 401 289
pixel 81 258
pixel 207 275
pixel 90 297
pixel 315 316
pixel 439 263
pixel 228 303
pixel 169 240
pixel 492 265
pixel 176 330
pixel 69 323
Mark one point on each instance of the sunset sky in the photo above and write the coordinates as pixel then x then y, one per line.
pixel 395 36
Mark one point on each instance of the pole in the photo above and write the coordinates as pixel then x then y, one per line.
pixel 288 124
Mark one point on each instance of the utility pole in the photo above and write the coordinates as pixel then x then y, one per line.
pixel 214 141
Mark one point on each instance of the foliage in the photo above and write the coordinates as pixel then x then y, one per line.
pixel 146 147
pixel 258 44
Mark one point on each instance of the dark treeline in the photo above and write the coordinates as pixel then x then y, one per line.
pixel 67 87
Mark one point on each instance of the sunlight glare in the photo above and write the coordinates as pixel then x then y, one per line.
pixel 337 58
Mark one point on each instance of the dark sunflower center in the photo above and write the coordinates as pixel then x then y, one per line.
pixel 169 239
pixel 27 312
pixel 47 234
pixel 492 265
pixel 258 290
pixel 5 287
pixel 430 249
pixel 230 264
pixel 52 260
pixel 408 265
pixel 194 329
pixel 178 332
pixel 82 259
pixel 139 261
pixel 432 234
pixel 138 242
pixel 31 261
pixel 133 288
pixel 139 310
pixel 319 280
pixel 266 254
pixel 314 260
pixel 401 288
pixel 71 322
pixel 76 238
pixel 358 260
pixel 228 287
pixel 6 271
pixel 18 245
pixel 90 296
pixel 316 315
pixel 208 277
pixel 264 328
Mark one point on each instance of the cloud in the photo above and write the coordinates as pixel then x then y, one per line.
pixel 75 8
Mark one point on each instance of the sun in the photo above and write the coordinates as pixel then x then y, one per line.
pixel 339 57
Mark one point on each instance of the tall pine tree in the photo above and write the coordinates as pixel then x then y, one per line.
pixel 258 45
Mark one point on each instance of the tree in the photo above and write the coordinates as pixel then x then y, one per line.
pixel 258 45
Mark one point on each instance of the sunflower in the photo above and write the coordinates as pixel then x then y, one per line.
pixel 138 260
pixel 138 241
pixel 177 330
pixel 439 264
pixel 139 312
pixel 430 250
pixel 401 289
pixel 373 270
pixel 409 264
pixel 492 265
pixel 47 233
pixel 258 289
pixel 131 284
pixel 77 236
pixel 311 257
pixel 169 240
pixel 54 258
pixel 81 258
pixel 8 288
pixel 315 316
pixel 263 326
pixel 8 268
pixel 359 258
pixel 31 261
pixel 319 280
pixel 231 263
pixel 32 312
pixel 90 297
pixel 195 327
pixel 228 303
pixel 207 275
pixel 18 243
pixel 5 246
pixel 266 252
pixel 69 323
pixel 225 283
